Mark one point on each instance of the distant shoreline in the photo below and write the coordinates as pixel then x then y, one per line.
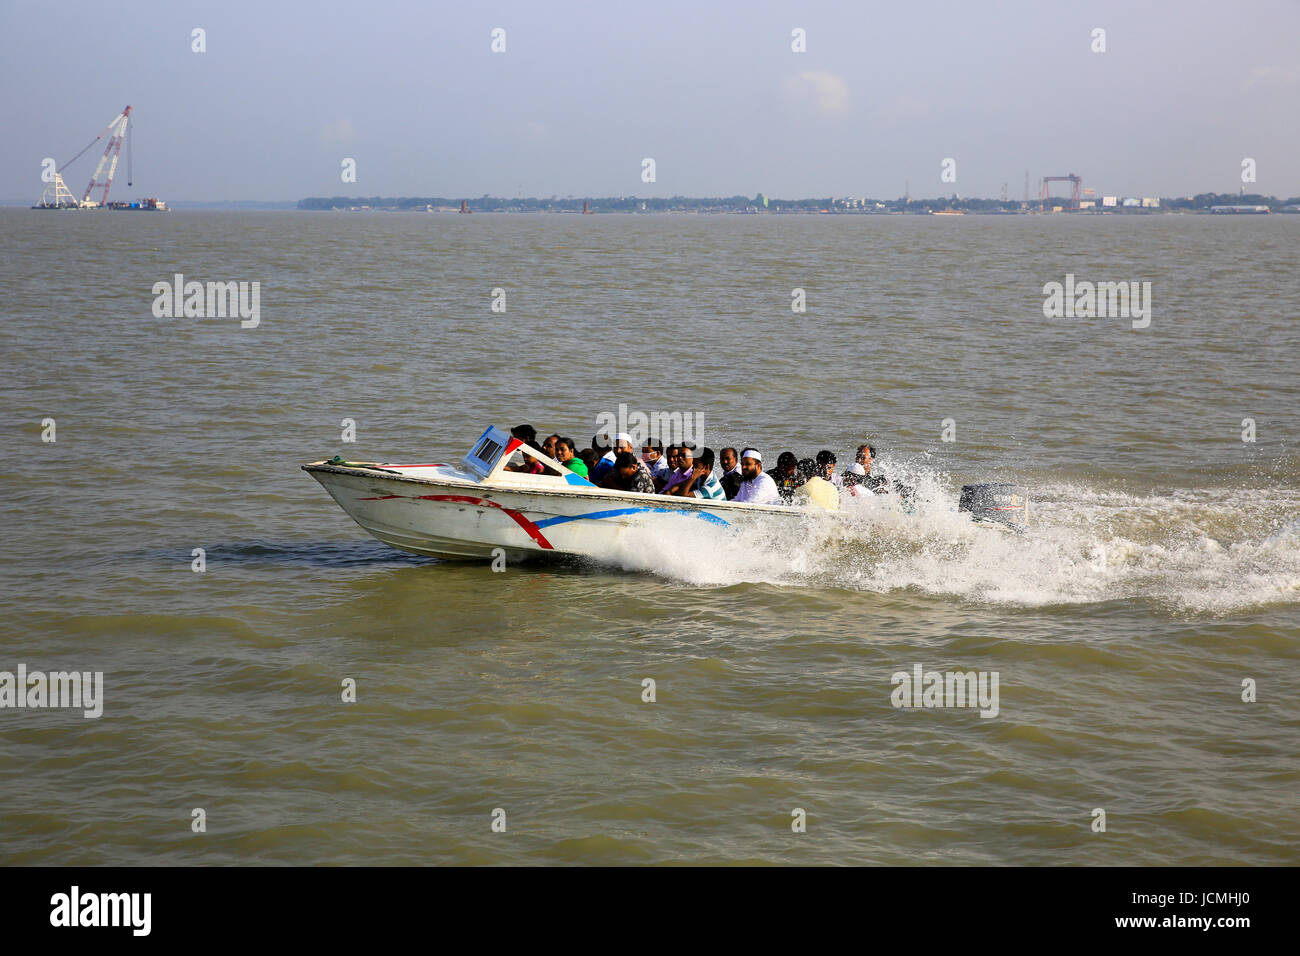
pixel 738 205
pixel 764 205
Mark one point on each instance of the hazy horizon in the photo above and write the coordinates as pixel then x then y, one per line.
pixel 418 99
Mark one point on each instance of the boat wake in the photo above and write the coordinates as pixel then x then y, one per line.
pixel 1212 551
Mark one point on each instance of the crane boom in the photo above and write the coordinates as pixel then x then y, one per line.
pixel 117 132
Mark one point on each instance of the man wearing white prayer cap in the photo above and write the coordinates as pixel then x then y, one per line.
pixel 622 442
pixel 756 486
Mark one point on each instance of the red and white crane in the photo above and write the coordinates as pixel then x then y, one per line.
pixel 116 132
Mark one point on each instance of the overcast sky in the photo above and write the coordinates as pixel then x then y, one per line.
pixel 713 92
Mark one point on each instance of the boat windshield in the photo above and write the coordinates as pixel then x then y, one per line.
pixel 495 449
pixel 487 451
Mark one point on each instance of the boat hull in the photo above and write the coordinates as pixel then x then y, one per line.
pixel 465 520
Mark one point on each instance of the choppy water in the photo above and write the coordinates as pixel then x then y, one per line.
pixel 1162 568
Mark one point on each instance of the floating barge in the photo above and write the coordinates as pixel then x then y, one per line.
pixel 58 196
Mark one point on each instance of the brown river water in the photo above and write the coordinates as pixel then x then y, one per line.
pixel 1161 569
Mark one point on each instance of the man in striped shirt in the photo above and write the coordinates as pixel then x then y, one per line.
pixel 699 481
pixel 706 485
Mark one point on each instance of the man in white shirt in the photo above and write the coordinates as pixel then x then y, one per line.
pixel 757 486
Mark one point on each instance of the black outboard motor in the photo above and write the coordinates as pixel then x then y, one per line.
pixel 995 501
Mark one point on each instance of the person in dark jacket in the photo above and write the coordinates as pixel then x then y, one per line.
pixel 786 474
pixel 731 476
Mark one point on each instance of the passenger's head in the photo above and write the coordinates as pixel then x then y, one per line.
pixel 625 464
pixel 751 463
pixel 564 450
pixel 865 455
pixel 524 432
pixel 729 458
pixel 651 450
pixel 597 445
pixel 623 443
pixel 548 446
pixel 673 451
pixel 826 463
pixel 854 474
pixel 807 468
pixel 685 457
pixel 786 464
pixel 704 464
pixel 589 457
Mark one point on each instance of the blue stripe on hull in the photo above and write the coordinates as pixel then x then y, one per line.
pixel 619 512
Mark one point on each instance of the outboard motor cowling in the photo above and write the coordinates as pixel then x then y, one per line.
pixel 996 501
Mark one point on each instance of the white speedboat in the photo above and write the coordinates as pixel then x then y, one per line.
pixel 470 509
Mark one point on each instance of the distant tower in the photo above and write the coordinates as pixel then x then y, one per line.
pixel 1004 192
pixel 907 191
pixel 58 196
pixel 464 207
pixel 1026 187
pixel 586 208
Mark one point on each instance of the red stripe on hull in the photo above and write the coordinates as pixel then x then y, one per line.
pixel 533 531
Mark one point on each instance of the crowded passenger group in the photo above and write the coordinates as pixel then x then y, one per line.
pixel 684 470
